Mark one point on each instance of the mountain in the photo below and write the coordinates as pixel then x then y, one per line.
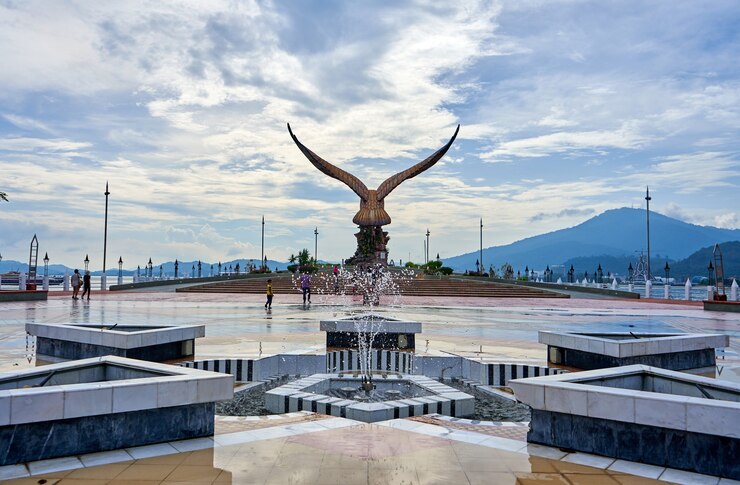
pixel 616 232
pixel 696 264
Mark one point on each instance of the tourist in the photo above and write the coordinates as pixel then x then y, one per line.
pixel 76 282
pixel 86 286
pixel 306 286
pixel 268 304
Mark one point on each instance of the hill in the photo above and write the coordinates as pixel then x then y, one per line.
pixel 616 232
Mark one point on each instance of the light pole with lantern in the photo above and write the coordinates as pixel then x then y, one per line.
pixel 150 266
pixel 120 270
pixel 87 262
pixel 177 266
pixel 667 284
pixel 316 245
pixel 46 272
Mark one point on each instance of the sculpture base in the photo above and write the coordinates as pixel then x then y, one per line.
pixel 371 250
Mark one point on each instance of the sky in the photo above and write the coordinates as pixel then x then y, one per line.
pixel 567 108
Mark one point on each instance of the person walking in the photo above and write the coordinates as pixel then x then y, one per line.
pixel 86 286
pixel 76 282
pixel 268 304
pixel 306 287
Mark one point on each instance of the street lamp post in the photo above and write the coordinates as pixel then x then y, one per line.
pixel 211 270
pixel 219 268
pixel 105 230
pixel 150 266
pixel 120 270
pixel 710 289
pixel 199 269
pixel 477 265
pixel 571 274
pixel 161 271
pixel 316 245
pixel 46 272
pixel 426 256
pixel 647 200
pixel 177 265
pixel 263 245
pixel 601 274
pixel 87 262
pixel 667 270
pixel 481 244
pixel 192 273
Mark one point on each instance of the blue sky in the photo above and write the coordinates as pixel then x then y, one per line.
pixel 568 108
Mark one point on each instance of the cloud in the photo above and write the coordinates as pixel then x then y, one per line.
pixel 562 213
pixel 183 110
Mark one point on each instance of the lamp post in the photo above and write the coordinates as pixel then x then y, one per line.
pixel 571 274
pixel 263 245
pixel 526 271
pixel 426 248
pixel 316 245
pixel 647 200
pixel 46 272
pixel 87 262
pixel 219 268
pixel 666 283
pixel 477 265
pixel 161 271
pixel 177 265
pixel 199 269
pixel 138 271
pixel 481 243
pixel 105 230
pixel 149 264
pixel 601 274
pixel 211 270
pixel 120 270
pixel 710 270
pixel 192 272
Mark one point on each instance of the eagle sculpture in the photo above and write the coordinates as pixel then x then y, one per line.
pixel 372 202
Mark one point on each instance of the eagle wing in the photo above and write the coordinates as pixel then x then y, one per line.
pixel 392 182
pixel 350 180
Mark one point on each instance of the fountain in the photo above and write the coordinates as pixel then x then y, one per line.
pixel 371 356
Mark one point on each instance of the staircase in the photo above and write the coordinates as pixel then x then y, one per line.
pixel 420 286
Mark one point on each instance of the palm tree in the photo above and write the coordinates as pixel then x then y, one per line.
pixel 3 196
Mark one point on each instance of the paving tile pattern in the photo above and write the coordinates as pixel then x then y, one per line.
pixel 511 432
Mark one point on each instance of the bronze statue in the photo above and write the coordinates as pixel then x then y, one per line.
pixel 372 216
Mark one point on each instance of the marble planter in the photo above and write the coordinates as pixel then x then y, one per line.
pixel 639 413
pixel 64 341
pixel 104 403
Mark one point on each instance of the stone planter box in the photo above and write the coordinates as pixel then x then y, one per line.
pixel 390 333
pixel 673 351
pixel 65 341
pixel 639 413
pixel 307 394
pixel 104 403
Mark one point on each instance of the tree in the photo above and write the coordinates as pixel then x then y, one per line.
pixel 304 257
pixel 507 271
pixel 4 196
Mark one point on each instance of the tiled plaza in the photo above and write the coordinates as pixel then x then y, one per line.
pixel 309 448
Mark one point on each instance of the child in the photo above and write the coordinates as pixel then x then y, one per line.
pixel 268 304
